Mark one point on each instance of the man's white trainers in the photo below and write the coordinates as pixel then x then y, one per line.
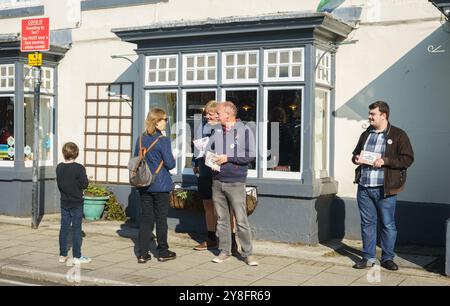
pixel 81 260
pixel 62 259
pixel 250 260
pixel 221 258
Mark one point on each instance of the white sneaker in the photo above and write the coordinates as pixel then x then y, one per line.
pixel 81 260
pixel 221 258
pixel 250 260
pixel 62 259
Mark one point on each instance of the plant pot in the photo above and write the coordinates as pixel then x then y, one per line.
pixel 93 207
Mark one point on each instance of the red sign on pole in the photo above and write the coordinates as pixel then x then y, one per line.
pixel 35 35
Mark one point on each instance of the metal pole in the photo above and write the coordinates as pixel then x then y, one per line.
pixel 35 192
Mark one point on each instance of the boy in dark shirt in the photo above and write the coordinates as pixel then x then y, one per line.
pixel 71 178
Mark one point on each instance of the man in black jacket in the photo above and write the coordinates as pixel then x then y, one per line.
pixel 383 154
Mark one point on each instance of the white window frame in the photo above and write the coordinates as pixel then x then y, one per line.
pixel 157 70
pixel 184 124
pixel 45 163
pixel 201 82
pixel 251 173
pixel 320 173
pixel 280 174
pixel 287 79
pixel 16 4
pixel 9 163
pixel 43 79
pixel 321 66
pixel 174 171
pixel 235 66
pixel 7 77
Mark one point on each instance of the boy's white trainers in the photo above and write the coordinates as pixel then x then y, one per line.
pixel 81 260
pixel 250 260
pixel 221 258
pixel 62 259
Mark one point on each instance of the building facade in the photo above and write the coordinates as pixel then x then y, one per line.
pixel 299 78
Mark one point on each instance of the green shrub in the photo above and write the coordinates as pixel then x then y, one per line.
pixel 114 210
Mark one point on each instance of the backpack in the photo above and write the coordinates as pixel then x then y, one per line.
pixel 140 174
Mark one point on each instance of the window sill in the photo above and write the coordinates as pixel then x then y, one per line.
pixel 22 12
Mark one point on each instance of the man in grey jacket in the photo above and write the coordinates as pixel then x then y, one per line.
pixel 235 146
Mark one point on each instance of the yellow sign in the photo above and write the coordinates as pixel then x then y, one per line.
pixel 35 59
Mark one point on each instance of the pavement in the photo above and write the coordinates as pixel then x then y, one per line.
pixel 32 254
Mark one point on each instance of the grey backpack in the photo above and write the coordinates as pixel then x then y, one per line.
pixel 139 171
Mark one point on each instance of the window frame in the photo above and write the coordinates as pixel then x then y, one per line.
pixel 280 174
pixel 10 163
pixel 201 82
pixel 185 170
pixel 49 162
pixel 19 4
pixel 246 66
pixel 158 57
pixel 251 173
pixel 324 173
pixel 176 154
pixel 44 90
pixel 325 56
pixel 7 77
pixel 301 78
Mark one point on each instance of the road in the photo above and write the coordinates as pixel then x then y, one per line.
pixel 15 281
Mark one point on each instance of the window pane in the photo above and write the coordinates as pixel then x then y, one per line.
pixel 240 73
pixel 3 71
pixel 172 63
pixel 11 82
pixel 252 59
pixel 152 64
pixel 7 128
pixel 195 102
pixel 11 70
pixel 200 61
pixel 284 57
pixel 252 73
pixel 190 75
pixel 172 75
pixel 152 77
pixel 211 74
pixel 230 74
pixel 3 83
pixel 272 57
pixel 272 72
pixel 167 101
pixel 246 103
pixel 295 71
pixel 190 62
pixel 241 59
pixel 284 72
pixel 162 76
pixel 211 61
pixel 230 60
pixel 45 128
pixel 284 130
pixel 200 75
pixel 296 57
pixel 321 128
pixel 162 63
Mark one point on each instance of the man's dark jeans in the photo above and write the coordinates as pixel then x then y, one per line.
pixel 155 208
pixel 71 217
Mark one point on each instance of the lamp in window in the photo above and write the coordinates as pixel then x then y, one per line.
pixel 293 107
pixel 246 107
pixel 443 6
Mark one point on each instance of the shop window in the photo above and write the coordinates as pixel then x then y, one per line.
pixel 323 70
pixel 282 132
pixel 47 79
pixel 46 130
pixel 199 68
pixel 6 77
pixel 6 129
pixel 108 132
pixel 321 133
pixel 161 70
pixel 6 4
pixel 195 102
pixel 284 65
pixel 246 101
pixel 240 67
pixel 167 101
